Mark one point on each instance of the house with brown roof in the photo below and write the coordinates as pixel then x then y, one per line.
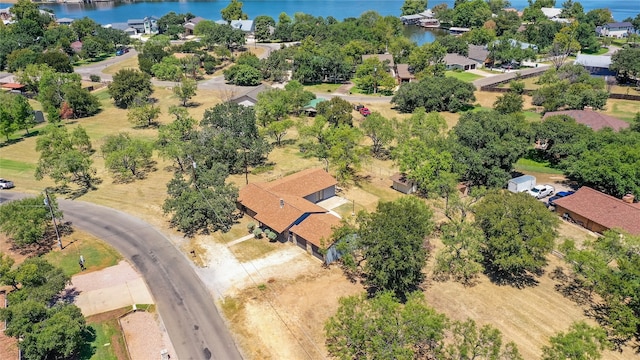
pixel 190 25
pixel 404 74
pixel 288 206
pixel 403 184
pixel 456 61
pixel 592 119
pixel 599 212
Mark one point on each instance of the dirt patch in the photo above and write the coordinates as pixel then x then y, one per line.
pixel 145 336
pixel 8 345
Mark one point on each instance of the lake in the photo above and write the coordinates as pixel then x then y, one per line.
pixel 120 11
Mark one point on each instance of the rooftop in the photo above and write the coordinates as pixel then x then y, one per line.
pixel 403 71
pixel 303 183
pixel 624 24
pixel 592 119
pixel 478 53
pixel 551 12
pixel 599 61
pixel 603 209
pixel 317 227
pixel 381 57
pixel 455 59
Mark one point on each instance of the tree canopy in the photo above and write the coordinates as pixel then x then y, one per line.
pixel 128 86
pixel 434 94
pixel 28 220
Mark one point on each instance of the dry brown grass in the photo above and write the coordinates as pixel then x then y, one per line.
pixel 254 249
pixel 129 63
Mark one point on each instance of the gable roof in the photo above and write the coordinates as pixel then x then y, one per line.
pixel 456 59
pixel 551 12
pixel 303 183
pixel 251 95
pixel 403 71
pixel 401 179
pixel 478 53
pixel 597 61
pixel 312 104
pixel 266 204
pixel 624 24
pixel 592 119
pixel 603 209
pixel 191 23
pixel 316 227
pixel 381 57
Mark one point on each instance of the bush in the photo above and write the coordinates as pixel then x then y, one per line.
pixel 94 78
pixel 272 236
pixel 257 232
pixel 251 226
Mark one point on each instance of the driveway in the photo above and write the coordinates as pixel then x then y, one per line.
pixel 195 327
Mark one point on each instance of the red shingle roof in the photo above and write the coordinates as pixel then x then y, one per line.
pixel 592 119
pixel 316 227
pixel 303 183
pixel 603 209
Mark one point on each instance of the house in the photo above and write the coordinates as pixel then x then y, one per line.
pixel 416 19
pixel 455 61
pixel 148 25
pixel 76 46
pixel 551 13
pixel 311 107
pixel 592 119
pixel 13 87
pixel 190 25
pixel 595 64
pixel 123 27
pixel 479 54
pixel 403 184
pixel 616 29
pixel 64 21
pixel 5 14
pixel 245 25
pixel 250 98
pixel 288 206
pixel 521 44
pixel 599 212
pixel 404 73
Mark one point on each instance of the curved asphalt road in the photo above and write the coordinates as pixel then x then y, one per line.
pixel 195 327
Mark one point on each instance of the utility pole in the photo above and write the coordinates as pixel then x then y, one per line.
pixel 47 202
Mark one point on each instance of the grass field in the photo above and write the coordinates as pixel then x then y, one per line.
pixel 464 76
pixel 322 88
pixel 528 165
pixel 129 63
pixel 105 332
pixel 97 254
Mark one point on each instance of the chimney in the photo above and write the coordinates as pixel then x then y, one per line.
pixel 629 198
pixel 281 203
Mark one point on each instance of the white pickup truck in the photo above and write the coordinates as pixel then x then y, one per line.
pixel 542 191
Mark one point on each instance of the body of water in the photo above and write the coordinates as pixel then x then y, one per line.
pixel 120 11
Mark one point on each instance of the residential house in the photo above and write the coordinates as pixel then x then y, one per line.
pixel 13 87
pixel 403 184
pixel 312 106
pixel 592 119
pixel 404 73
pixel 124 27
pixel 456 61
pixel 250 98
pixel 148 25
pixel 616 29
pixel 288 206
pixel 599 212
pixel 64 21
pixel 551 13
pixel 479 54
pixel 245 25
pixel 5 14
pixel 595 64
pixel 190 25
pixel 521 44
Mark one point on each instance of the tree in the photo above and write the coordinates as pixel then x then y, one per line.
pixel 243 75
pixel 278 129
pixel 129 85
pixel 382 328
pixel 84 27
pixel 508 103
pixel 412 7
pixel 380 130
pixel 373 75
pixel 143 115
pixel 169 69
pixel 626 63
pixel 393 243
pixel 582 342
pixel 434 94
pixel 343 150
pixel 26 221
pixel 488 144
pixel 519 232
pixel 337 111
pixel 203 203
pixel 126 157
pixel 58 60
pixel 454 44
pixel 186 90
pixel 461 258
pixel 173 138
pixel 563 136
pixel 430 167
pixel 233 11
pixel 564 43
pixel 272 105
pixel 7 124
pixel 468 342
pixel 428 60
pixel 263 25
pixel 19 59
pixel 471 14
pixel 598 17
pixel 81 101
pixel 65 157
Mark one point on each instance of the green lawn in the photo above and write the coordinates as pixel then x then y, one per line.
pixel 106 332
pixel 532 116
pixel 464 76
pixel 323 87
pixel 97 254
pixel 528 165
pixel 600 51
pixel 18 166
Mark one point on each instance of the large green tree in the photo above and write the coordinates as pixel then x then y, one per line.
pixel 129 85
pixel 461 258
pixel 581 342
pixel 411 7
pixel 27 221
pixel 434 94
pixel 381 132
pixel 626 63
pixel 233 11
pixel 337 111
pixel 173 138
pixel 127 157
pixel 519 232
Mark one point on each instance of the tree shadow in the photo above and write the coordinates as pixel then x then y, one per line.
pixel 571 287
pixel 87 350
pixel 11 142
pixel 518 280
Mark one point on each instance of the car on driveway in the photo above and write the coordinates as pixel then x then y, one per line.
pixel 365 111
pixel 6 184
pixel 542 191
pixel 557 196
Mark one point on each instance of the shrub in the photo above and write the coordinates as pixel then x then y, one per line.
pixel 272 236
pixel 251 226
pixel 94 78
pixel 257 232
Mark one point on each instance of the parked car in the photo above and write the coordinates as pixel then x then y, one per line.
pixel 6 184
pixel 542 191
pixel 557 196
pixel 365 111
pixel 358 107
pixel 122 51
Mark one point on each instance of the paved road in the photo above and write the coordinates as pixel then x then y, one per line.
pixel 195 327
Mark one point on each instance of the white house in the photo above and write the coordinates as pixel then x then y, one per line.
pixel 616 29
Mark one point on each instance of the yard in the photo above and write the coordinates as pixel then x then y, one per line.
pixel 463 75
